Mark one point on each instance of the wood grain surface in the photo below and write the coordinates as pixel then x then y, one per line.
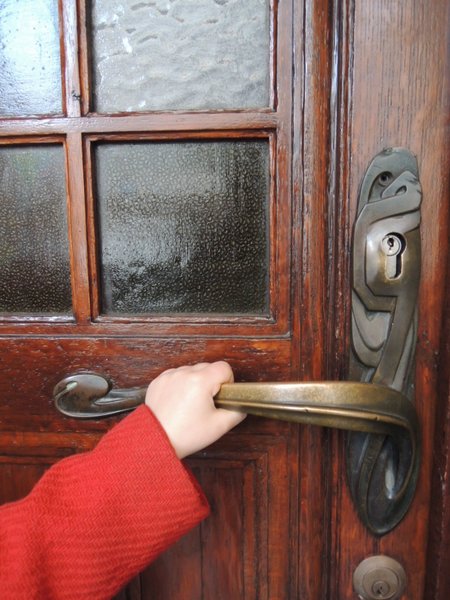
pixel 348 79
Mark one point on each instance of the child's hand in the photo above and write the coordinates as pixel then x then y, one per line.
pixel 182 401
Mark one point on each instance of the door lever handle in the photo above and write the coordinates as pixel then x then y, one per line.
pixel 345 405
pixel 353 406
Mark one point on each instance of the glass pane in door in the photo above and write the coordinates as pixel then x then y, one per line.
pixel 183 226
pixel 179 54
pixel 29 58
pixel 34 248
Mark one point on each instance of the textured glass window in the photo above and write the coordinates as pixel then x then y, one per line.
pixel 34 255
pixel 29 58
pixel 179 54
pixel 183 226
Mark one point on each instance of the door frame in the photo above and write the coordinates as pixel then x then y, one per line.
pixel 438 557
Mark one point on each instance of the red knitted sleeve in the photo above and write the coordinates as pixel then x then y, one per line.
pixel 95 520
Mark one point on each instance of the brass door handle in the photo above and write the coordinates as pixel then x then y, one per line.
pixel 338 404
pixel 353 406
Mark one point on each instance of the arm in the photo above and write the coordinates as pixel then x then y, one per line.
pixel 95 520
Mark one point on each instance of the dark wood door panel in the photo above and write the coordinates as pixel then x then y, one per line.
pixel 244 549
pixel 399 98
pixel 31 367
pixel 25 456
pixel 18 476
pixel 366 75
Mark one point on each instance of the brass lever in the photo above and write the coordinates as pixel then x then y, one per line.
pixel 354 406
pixel 345 405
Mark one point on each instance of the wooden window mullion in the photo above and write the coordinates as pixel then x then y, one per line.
pixel 77 227
pixel 69 53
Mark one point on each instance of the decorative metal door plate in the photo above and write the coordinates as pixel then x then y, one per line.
pixel 386 274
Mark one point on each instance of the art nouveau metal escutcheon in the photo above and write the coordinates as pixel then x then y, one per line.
pixel 386 272
pixel 384 446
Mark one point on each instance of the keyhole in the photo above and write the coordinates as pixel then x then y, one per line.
pixel 385 178
pixel 393 246
pixel 381 589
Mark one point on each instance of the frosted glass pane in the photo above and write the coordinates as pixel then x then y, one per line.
pixel 180 54
pixel 34 254
pixel 183 227
pixel 29 58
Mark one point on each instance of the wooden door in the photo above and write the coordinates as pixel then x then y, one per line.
pixel 179 183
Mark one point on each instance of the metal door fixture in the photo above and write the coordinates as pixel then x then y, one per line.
pixel 379 577
pixel 384 448
pixel 386 274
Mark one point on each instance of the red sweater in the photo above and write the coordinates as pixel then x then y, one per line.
pixel 96 519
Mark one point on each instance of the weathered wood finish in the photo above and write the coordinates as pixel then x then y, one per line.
pixel 399 98
pixel 366 75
